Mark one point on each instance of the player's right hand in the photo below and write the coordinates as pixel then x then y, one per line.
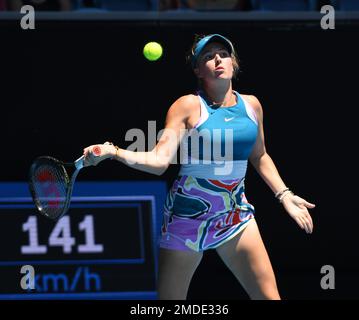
pixel 96 153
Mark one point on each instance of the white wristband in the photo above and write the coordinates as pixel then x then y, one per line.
pixel 284 194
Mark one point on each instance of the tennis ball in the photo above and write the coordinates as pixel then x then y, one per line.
pixel 152 51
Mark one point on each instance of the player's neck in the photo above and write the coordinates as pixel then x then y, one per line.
pixel 221 95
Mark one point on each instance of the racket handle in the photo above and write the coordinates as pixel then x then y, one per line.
pixel 79 163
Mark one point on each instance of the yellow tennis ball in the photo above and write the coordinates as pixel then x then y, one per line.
pixel 152 51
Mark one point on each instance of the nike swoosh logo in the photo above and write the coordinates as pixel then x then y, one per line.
pixel 228 119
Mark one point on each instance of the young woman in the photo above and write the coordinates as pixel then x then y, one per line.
pixel 206 207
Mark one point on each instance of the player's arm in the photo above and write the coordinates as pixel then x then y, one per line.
pixel 259 157
pixel 263 163
pixel 158 159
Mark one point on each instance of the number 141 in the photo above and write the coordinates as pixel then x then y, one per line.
pixel 61 236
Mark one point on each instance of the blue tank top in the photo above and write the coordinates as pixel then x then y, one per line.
pixel 224 136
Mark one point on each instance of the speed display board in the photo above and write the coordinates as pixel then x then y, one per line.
pixel 105 247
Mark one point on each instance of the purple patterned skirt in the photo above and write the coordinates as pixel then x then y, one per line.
pixel 202 214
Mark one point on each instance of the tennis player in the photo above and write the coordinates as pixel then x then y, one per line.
pixel 206 207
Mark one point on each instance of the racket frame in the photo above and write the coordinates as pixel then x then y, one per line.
pixel 78 165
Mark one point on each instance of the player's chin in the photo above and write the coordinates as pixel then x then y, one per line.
pixel 222 72
pixel 223 76
pixel 219 72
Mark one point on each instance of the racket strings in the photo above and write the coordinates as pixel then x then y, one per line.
pixel 50 184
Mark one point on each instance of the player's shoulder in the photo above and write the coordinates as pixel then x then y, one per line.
pixel 253 101
pixel 185 104
pixel 187 101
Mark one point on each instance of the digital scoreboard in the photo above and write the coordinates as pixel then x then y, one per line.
pixel 104 248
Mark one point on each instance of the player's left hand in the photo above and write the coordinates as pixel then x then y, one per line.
pixel 297 209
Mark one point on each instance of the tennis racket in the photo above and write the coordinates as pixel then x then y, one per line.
pixel 51 183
